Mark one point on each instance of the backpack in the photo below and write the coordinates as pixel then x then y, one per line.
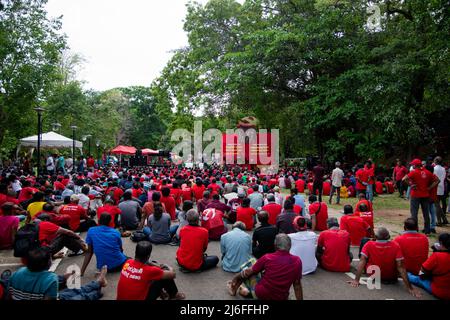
pixel 138 236
pixel 27 239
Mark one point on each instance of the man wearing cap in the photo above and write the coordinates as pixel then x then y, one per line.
pixel 304 245
pixel 421 182
pixel 336 183
pixel 273 208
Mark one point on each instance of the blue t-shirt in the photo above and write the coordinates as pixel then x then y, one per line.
pixel 107 244
pixel 300 200
pixel 27 285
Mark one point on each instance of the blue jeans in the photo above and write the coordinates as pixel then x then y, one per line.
pixel 433 215
pixel 408 192
pixel 91 292
pixel 415 280
pixel 369 192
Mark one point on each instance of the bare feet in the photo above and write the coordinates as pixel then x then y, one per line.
pixel 67 275
pixel 243 291
pixel 231 288
pixel 59 255
pixel 102 277
pixel 179 296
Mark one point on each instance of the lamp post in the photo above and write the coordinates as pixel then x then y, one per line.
pixel 88 136
pixel 97 143
pixel 73 145
pixel 39 111
pixel 56 126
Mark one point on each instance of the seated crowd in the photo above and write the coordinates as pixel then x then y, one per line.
pixel 268 240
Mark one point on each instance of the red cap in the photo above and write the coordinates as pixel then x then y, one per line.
pixel 416 162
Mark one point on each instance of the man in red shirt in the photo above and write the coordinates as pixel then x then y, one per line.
pixel 246 214
pixel 387 256
pixel 300 185
pixel 414 246
pixel 186 192
pixel 141 279
pixel 421 182
pixel 27 191
pixel 55 238
pixel 333 248
pixel 355 226
pixel 212 220
pixel 79 220
pixel 365 214
pixel 113 210
pixel 198 189
pixel 362 180
pixel 319 214
pixel 435 273
pixel 169 202
pixel 362 200
pixel 193 244
pixel 399 173
pixel 214 188
pixel 273 208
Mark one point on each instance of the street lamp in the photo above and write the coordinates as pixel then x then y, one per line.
pixel 97 143
pixel 73 145
pixel 39 112
pixel 56 126
pixel 88 136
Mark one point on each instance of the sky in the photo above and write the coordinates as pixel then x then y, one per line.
pixel 124 42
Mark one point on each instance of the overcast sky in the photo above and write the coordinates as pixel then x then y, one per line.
pixel 125 42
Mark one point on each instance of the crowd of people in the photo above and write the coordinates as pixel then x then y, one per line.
pixel 272 229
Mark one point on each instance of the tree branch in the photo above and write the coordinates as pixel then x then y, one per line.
pixel 406 13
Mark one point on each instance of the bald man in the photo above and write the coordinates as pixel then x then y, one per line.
pixel 387 256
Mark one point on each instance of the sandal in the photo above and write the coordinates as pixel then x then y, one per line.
pixel 126 234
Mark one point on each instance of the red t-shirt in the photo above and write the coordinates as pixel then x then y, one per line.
pixel 336 245
pixel 326 189
pixel 379 187
pixel 385 255
pixel 169 203
pixel 76 212
pixel 321 216
pixel 112 210
pixel 198 191
pixel 421 178
pixel 300 185
pixel 389 187
pixel 274 209
pixel 176 194
pixel 367 217
pixel 27 193
pixel 187 194
pixel 366 202
pixel 400 172
pixel 297 209
pixel 246 216
pixel 135 280
pixel 439 266
pixel 194 242
pixel 59 186
pixel 414 247
pixel 47 232
pixel 135 193
pixel 356 226
pixel 362 175
pixel 214 188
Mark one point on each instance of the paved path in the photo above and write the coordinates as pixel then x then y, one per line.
pixel 211 284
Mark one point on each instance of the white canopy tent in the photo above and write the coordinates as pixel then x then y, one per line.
pixel 49 140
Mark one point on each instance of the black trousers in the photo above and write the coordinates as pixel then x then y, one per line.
pixel 157 286
pixel 62 241
pixel 209 262
pixel 318 186
pixel 86 225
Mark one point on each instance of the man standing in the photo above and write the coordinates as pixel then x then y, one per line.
pixel 399 173
pixel 336 182
pixel 440 172
pixel 362 180
pixel 319 172
pixel 421 182
pixel 369 168
pixel 50 164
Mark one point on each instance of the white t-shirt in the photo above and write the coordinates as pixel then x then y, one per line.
pixel 439 171
pixel 84 200
pixel 304 247
pixel 50 163
pixel 336 177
